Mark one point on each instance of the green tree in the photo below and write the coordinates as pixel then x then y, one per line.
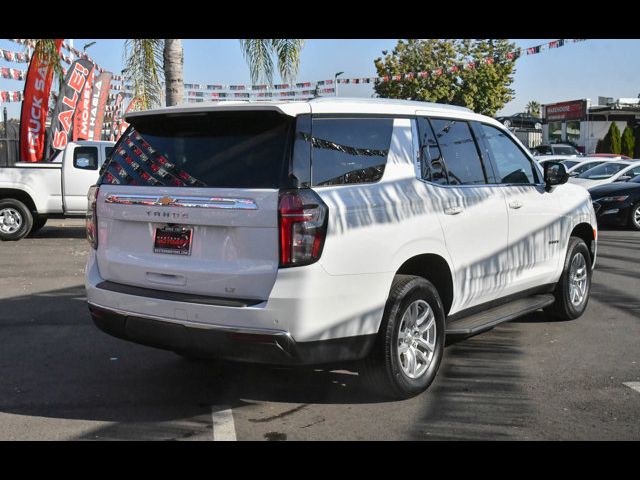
pixel 483 88
pixel 627 143
pixel 636 150
pixel 533 108
pixel 614 138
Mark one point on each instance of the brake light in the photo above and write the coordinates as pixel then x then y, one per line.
pixel 302 217
pixel 92 216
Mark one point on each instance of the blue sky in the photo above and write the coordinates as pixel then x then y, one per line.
pixel 578 70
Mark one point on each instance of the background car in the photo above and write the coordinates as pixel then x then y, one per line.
pixel 587 164
pixel 618 204
pixel 556 149
pixel 608 172
pixel 610 155
pixel 521 120
pixel 568 161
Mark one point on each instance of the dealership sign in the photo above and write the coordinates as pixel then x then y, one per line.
pixel 573 110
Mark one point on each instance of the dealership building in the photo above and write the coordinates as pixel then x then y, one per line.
pixel 582 123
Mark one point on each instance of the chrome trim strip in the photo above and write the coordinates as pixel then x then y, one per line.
pixel 226 203
pixel 204 326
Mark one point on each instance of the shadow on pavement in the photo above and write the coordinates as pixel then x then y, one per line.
pixel 55 363
pixel 479 392
pixel 61 232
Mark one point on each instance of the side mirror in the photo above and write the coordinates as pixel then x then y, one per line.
pixel 555 173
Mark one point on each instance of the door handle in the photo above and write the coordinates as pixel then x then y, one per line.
pixel 455 210
pixel 515 204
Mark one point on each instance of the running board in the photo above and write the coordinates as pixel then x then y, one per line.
pixel 487 319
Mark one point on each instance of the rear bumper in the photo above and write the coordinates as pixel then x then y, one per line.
pixel 228 343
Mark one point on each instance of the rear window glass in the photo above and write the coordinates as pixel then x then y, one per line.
pixel 349 150
pixel 221 149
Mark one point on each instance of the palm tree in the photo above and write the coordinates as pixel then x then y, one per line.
pixel 259 53
pixel 148 59
pixel 533 108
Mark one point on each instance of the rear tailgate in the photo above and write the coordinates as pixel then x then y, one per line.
pixel 189 203
pixel 234 244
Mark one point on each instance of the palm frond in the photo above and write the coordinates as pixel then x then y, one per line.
pixel 142 58
pixel 288 51
pixel 47 53
pixel 257 52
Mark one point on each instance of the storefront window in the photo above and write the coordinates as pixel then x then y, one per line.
pixel 573 131
pixel 555 132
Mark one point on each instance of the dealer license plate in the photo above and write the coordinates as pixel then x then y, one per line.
pixel 173 239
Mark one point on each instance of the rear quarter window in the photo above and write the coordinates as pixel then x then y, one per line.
pixel 349 150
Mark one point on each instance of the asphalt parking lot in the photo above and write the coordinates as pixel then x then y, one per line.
pixel 529 379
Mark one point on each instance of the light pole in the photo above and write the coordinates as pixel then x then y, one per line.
pixel 87 45
pixel 335 82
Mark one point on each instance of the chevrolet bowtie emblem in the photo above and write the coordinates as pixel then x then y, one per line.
pixel 166 200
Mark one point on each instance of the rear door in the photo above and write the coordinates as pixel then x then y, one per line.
pixel 189 203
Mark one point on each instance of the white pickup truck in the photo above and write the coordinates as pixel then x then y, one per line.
pixel 30 193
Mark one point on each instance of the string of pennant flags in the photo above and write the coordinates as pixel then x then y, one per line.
pixel 385 78
pixel 198 92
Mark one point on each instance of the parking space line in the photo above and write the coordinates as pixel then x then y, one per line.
pixel 634 385
pixel 224 429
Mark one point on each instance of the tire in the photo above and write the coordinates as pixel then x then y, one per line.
pixel 39 221
pixel 634 216
pixel 564 308
pixel 507 123
pixel 15 220
pixel 383 371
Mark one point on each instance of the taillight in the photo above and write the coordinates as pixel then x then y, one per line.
pixel 302 217
pixel 92 216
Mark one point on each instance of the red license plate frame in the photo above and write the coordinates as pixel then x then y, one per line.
pixel 173 240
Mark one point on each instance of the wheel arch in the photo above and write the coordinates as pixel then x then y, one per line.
pixel 586 232
pixel 436 270
pixel 20 195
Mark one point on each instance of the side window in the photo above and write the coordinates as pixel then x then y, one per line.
pixel 349 150
pixel 431 162
pixel 85 158
pixel 458 147
pixel 634 172
pixel 512 164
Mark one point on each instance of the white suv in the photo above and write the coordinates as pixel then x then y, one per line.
pixel 330 231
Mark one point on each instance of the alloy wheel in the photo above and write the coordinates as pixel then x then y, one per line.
pixel 578 279
pixel 416 339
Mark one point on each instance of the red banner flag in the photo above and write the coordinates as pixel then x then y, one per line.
pixel 83 110
pixel 35 107
pixel 99 96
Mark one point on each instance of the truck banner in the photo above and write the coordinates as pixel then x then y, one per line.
pixel 68 98
pixel 35 107
pixel 99 95
pixel 81 117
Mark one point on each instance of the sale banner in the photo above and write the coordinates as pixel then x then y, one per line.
pixel 71 91
pixel 35 106
pixel 83 110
